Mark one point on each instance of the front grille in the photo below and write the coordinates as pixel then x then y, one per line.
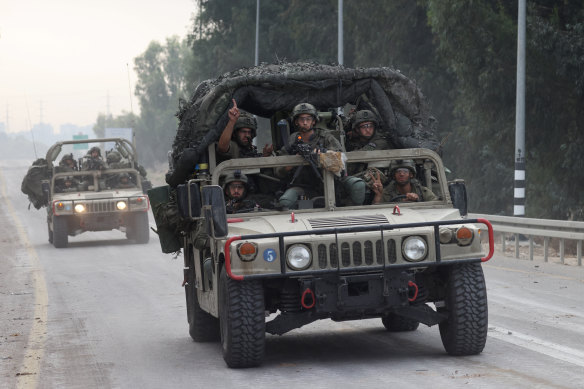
pixel 101 206
pixel 355 254
pixel 328 222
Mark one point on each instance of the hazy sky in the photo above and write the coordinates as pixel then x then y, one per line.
pixel 62 58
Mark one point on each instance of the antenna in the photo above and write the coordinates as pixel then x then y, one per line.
pixel 30 126
pixel 130 89
pixel 132 111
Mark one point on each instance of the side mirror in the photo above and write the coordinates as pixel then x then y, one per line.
pixel 457 189
pixel 146 186
pixel 188 200
pixel 46 188
pixel 214 209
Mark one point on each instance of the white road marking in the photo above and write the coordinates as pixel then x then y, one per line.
pixel 541 346
pixel 29 374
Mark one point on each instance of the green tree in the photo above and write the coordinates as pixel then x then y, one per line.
pixel 462 53
pixel 161 71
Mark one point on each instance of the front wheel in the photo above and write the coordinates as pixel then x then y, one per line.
pixel 60 232
pixel 138 228
pixel 242 321
pixel 465 330
pixel 50 232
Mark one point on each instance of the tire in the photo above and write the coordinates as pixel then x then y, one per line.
pixel 465 330
pixel 138 228
pixel 60 232
pixel 50 232
pixel 203 327
pixel 242 321
pixel 397 323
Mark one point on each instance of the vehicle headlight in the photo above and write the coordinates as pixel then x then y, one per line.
pixel 79 208
pixel 414 248
pixel 298 257
pixel 63 207
pixel 121 205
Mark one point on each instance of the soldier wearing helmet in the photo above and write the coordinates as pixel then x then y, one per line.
pixel 404 186
pixel 236 139
pixel 68 163
pixel 66 184
pixel 124 181
pixel 364 133
pixel 93 160
pixel 238 197
pixel 304 117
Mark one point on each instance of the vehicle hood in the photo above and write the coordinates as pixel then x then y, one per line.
pixel 319 220
pixel 106 194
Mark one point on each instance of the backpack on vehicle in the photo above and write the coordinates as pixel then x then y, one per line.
pixel 32 183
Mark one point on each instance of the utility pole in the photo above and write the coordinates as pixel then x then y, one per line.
pixel 340 53
pixel 257 34
pixel 520 154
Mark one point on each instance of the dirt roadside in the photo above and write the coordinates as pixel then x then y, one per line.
pixel 17 302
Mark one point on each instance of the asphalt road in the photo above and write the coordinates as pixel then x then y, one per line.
pixel 104 313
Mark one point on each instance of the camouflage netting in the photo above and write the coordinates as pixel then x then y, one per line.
pixel 31 183
pixel 269 88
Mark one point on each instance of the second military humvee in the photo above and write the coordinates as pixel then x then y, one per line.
pixel 80 200
pixel 271 270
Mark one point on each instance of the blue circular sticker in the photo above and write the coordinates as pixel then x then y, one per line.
pixel 269 255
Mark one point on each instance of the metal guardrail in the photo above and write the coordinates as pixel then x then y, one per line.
pixel 531 228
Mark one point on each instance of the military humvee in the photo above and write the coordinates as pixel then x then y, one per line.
pixel 272 269
pixel 81 200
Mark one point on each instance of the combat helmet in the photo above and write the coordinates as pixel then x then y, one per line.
pixel 303 108
pixel 364 116
pixel 236 175
pixel 403 163
pixel 114 156
pixel 246 120
pixel 66 158
pixel 95 148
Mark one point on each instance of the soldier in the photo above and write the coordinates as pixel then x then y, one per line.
pixel 236 139
pixel 304 118
pixel 124 181
pixel 364 133
pixel 93 160
pixel 237 196
pixel 68 163
pixel 404 186
pixel 67 184
pixel 116 161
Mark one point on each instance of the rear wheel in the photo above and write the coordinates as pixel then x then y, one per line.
pixel 60 232
pixel 138 228
pixel 396 323
pixel 242 321
pixel 465 330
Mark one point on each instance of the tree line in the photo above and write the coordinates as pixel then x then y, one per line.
pixel 462 54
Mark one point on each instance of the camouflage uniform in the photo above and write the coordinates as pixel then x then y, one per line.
pixel 390 192
pixel 238 151
pixel 308 183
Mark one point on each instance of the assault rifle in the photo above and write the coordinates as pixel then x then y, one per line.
pixel 306 151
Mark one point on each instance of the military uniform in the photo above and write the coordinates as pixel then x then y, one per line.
pixel 390 192
pixel 249 203
pixel 237 151
pixel 308 183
